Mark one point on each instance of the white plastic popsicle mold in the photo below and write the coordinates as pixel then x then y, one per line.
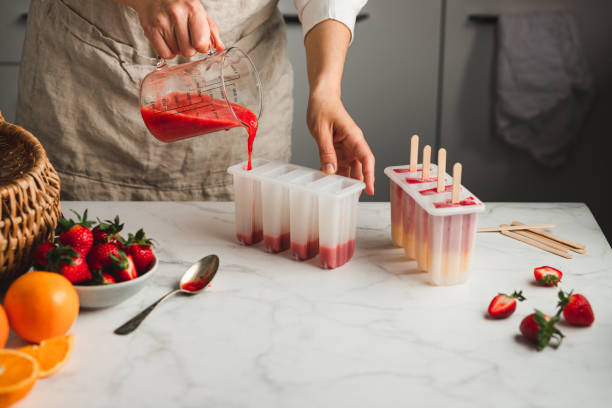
pixel 437 234
pixel 291 206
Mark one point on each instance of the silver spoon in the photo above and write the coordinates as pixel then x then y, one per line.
pixel 194 280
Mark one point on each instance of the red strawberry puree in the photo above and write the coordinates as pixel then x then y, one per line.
pixel 276 244
pixel 334 257
pixel 449 203
pixel 188 115
pixel 192 286
pixel 250 239
pixel 432 191
pixel 305 251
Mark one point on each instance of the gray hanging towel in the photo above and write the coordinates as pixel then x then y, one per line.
pixel 544 86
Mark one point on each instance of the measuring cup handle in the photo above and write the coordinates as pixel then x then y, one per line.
pixel 211 51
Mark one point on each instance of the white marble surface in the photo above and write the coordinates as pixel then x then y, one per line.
pixel 272 332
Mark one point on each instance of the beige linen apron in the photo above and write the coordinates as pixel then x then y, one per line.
pixel 82 64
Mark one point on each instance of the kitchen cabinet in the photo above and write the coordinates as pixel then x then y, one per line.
pixel 389 84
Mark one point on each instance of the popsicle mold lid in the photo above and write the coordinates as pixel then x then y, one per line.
pixel 434 203
pixel 298 177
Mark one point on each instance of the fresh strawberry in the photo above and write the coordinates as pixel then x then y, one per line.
pixel 547 275
pixel 576 309
pixel 124 267
pixel 107 278
pixel 100 255
pixel 40 255
pixel 76 234
pixel 107 231
pixel 503 305
pixel 139 246
pixel 101 278
pixel 68 262
pixel 540 328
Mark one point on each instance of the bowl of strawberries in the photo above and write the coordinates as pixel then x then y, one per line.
pixel 105 267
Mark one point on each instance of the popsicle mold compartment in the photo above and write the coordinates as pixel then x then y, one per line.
pixel 296 207
pixel 401 205
pixel 247 198
pixel 397 227
pixel 444 233
pixel 304 217
pixel 337 221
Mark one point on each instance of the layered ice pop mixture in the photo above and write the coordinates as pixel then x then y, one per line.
pixel 438 224
pixel 297 208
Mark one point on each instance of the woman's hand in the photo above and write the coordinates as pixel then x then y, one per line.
pixel 342 146
pixel 177 26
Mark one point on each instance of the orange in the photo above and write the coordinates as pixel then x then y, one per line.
pixel 4 327
pixel 51 354
pixel 41 305
pixel 18 373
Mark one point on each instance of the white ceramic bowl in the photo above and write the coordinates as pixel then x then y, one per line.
pixel 98 296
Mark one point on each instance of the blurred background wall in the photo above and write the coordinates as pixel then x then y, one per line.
pixel 400 79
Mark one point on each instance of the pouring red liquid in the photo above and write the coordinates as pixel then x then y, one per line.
pixel 182 116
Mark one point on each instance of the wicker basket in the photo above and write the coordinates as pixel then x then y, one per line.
pixel 29 199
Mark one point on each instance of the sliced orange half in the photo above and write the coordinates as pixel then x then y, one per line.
pixel 51 354
pixel 18 373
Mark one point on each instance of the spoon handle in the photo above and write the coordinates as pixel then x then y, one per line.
pixel 135 321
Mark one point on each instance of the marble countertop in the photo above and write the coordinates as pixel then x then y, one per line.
pixel 272 332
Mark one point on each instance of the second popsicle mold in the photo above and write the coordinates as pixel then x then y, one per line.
pixel 297 208
pixel 435 232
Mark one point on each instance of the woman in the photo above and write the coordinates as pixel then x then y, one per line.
pixel 83 61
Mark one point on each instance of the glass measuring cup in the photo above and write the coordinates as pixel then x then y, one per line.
pixel 218 92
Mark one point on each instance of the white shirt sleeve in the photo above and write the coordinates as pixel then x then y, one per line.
pixel 312 12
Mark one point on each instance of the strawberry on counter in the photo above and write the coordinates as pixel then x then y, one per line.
pixel 540 329
pixel 503 305
pixel 576 309
pixel 547 276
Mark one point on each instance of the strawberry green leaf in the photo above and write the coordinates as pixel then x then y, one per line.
pixel 563 300
pixel 548 280
pixel 547 330
pixel 518 295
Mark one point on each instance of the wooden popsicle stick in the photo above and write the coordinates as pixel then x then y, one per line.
pixel 536 244
pixel 549 242
pixel 456 183
pixel 441 170
pixel 426 161
pixel 414 152
pixel 553 237
pixel 514 227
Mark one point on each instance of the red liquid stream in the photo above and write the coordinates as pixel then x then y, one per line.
pixel 187 115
